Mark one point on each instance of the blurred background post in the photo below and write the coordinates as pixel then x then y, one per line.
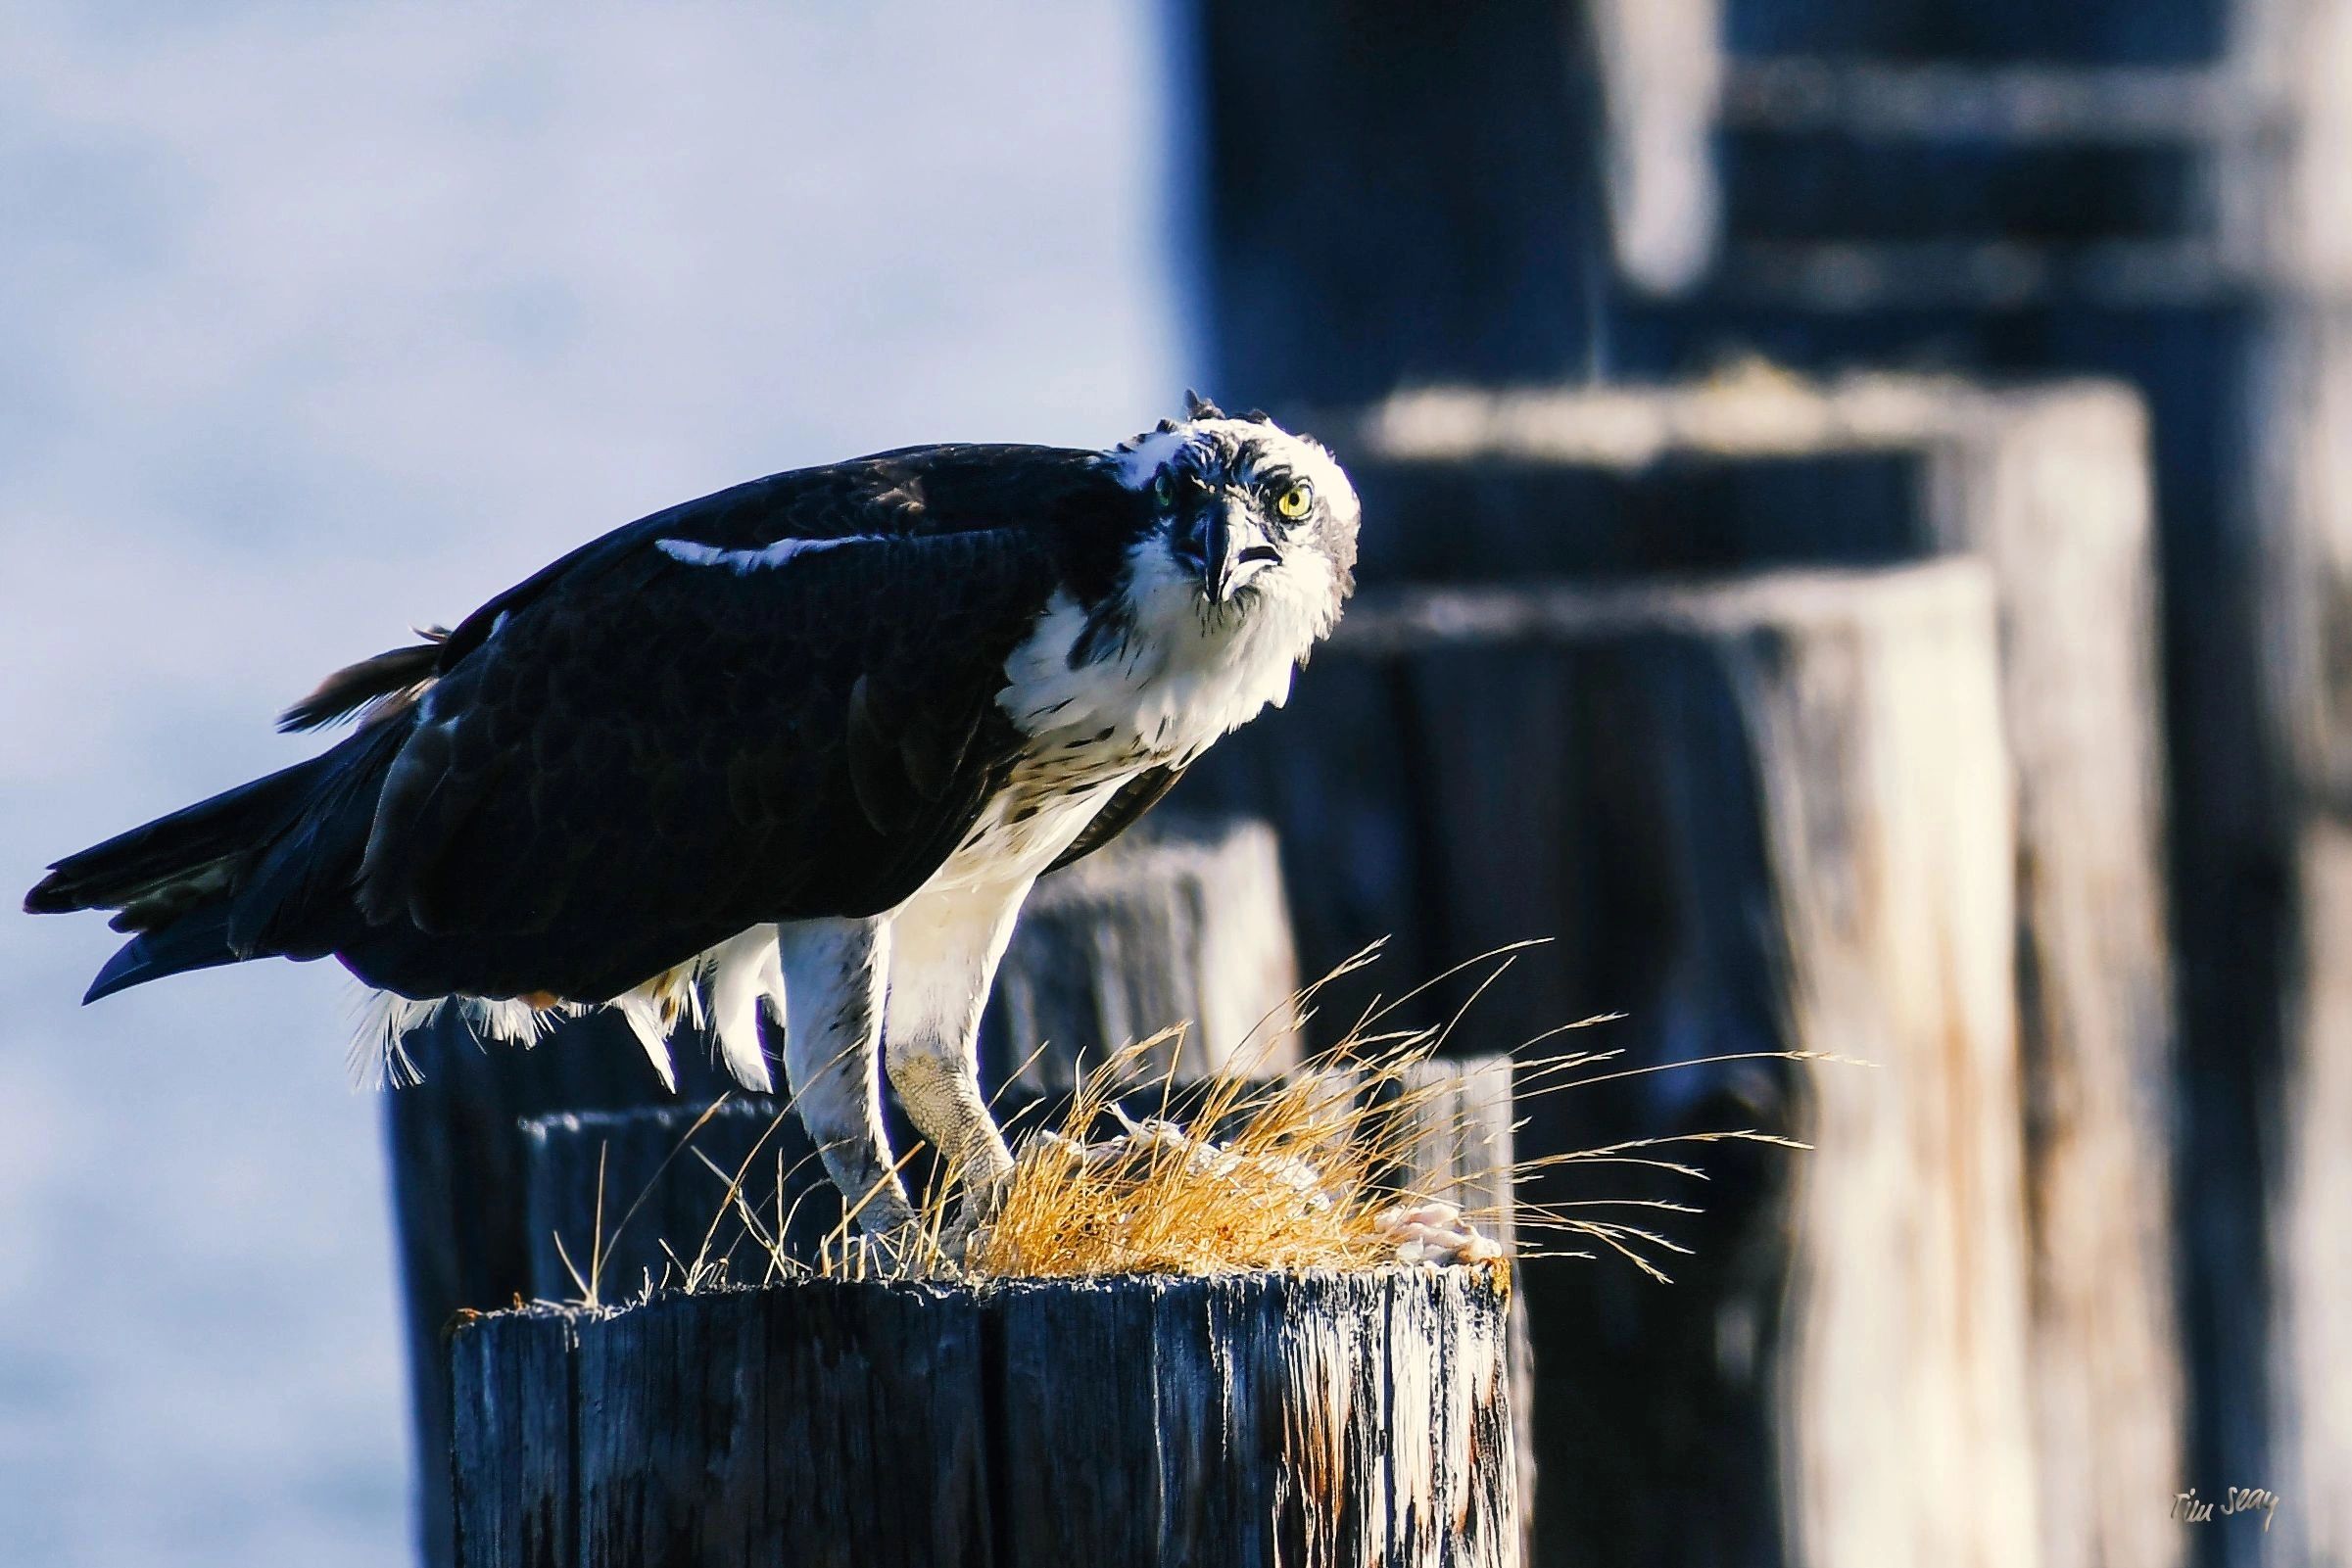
pixel 1718 194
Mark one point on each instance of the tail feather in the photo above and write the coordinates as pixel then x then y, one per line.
pixel 316 858
pixel 198 940
pixel 263 869
pixel 118 873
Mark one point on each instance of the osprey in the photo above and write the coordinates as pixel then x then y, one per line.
pixel 803 744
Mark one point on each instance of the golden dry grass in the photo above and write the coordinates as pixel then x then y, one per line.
pixel 1301 1172
pixel 1292 1184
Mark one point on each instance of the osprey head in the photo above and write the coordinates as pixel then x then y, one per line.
pixel 1252 515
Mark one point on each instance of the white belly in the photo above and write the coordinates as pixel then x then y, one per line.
pixel 1052 795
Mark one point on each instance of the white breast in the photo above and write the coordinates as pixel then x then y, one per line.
pixel 1177 679
pixel 1158 693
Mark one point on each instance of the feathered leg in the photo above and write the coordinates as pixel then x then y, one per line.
pixel 833 975
pixel 946 945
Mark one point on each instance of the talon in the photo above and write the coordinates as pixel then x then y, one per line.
pixel 982 1196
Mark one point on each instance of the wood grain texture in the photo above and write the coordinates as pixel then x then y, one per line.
pixel 2248 491
pixel 1257 1419
pixel 459 1204
pixel 657 1184
pixel 2215 298
pixel 664 1205
pixel 1887 816
pixel 2249 501
pixel 645 1193
pixel 2049 488
pixel 833 1425
pixel 1139 927
pixel 511 1463
pixel 1763 814
pixel 1461 1143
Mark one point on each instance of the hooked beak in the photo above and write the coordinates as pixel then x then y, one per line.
pixel 1227 548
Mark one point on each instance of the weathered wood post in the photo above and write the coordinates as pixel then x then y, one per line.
pixel 586 1171
pixel 1769 814
pixel 1248 1419
pixel 2211 269
pixel 2315 1244
pixel 2110 187
pixel 2048 487
pixel 1437 211
pixel 1181 911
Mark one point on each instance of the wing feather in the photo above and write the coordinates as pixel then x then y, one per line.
pixel 742 746
pixel 637 753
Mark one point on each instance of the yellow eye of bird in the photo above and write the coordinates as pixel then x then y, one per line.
pixel 1294 501
pixel 1163 488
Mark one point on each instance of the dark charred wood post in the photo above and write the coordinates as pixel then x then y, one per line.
pixel 822 1425
pixel 1771 814
pixel 1436 207
pixel 1255 1419
pixel 1185 914
pixel 458 1206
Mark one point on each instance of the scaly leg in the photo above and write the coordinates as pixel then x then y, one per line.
pixel 946 948
pixel 834 976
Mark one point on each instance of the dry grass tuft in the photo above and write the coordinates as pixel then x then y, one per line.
pixel 1247 1171
pixel 1308 1170
pixel 1291 1184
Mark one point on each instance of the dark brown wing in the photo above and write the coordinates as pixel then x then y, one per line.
pixel 673 741
pixel 775 703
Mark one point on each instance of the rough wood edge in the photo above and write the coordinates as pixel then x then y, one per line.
pixel 1272 1417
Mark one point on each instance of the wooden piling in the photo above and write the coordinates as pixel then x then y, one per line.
pixel 2148 192
pixel 1184 913
pixel 642 1196
pixel 2313 1245
pixel 1768 814
pixel 1394 192
pixel 2048 487
pixel 1250 1419
pixel 647 1190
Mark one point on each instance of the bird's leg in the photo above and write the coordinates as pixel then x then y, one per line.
pixel 834 976
pixel 943 961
